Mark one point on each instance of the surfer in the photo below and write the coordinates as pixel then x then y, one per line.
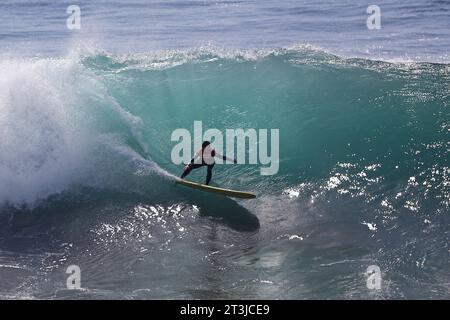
pixel 207 155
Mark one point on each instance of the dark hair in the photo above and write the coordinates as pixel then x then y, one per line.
pixel 205 144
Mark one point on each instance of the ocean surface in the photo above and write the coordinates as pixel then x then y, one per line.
pixel 86 176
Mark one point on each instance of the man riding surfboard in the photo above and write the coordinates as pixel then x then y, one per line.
pixel 206 154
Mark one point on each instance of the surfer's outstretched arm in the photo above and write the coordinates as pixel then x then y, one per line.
pixel 224 158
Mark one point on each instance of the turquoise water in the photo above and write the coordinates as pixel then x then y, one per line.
pixel 86 176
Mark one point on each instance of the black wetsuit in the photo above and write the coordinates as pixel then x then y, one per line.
pixel 193 165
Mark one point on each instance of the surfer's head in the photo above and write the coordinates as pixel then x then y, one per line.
pixel 205 144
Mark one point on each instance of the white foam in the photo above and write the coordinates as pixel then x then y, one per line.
pixel 40 149
pixel 48 120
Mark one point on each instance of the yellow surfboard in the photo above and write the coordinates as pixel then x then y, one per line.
pixel 222 191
